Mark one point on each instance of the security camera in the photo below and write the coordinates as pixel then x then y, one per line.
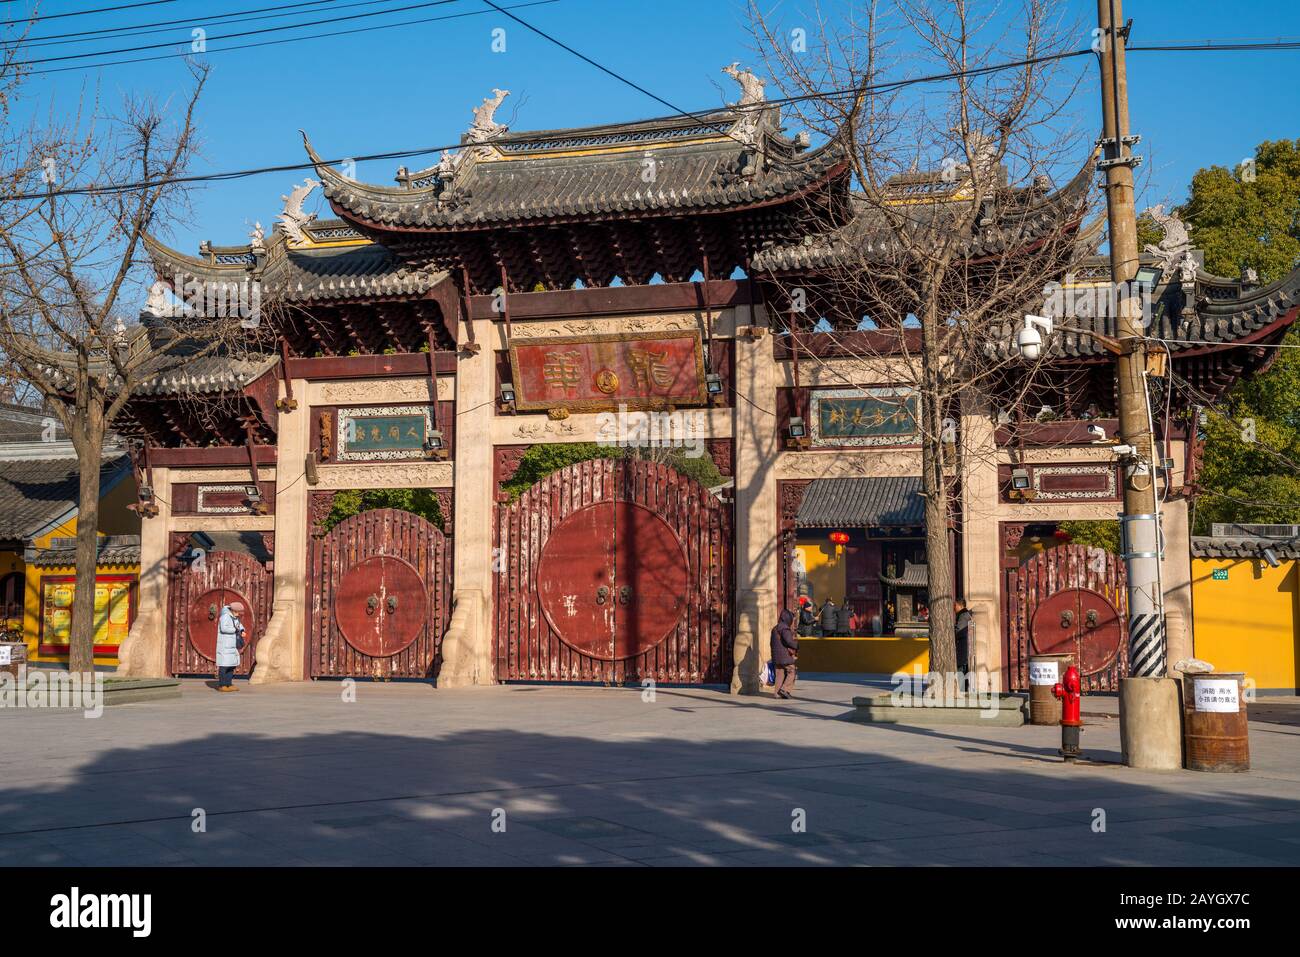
pixel 1124 451
pixel 1097 432
pixel 1029 340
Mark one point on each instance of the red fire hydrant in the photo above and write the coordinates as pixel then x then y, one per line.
pixel 1068 691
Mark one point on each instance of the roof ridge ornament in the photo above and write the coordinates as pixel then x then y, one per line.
pixel 750 106
pixel 293 217
pixel 485 125
pixel 751 87
pixel 481 130
pixel 1175 250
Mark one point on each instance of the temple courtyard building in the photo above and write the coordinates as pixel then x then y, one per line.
pixel 546 412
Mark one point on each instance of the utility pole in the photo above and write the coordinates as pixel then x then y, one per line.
pixel 1151 733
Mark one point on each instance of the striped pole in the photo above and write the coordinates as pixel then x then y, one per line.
pixel 1146 605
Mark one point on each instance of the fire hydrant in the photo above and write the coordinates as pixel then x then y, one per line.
pixel 1068 691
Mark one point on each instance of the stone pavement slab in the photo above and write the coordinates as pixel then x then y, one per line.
pixel 546 775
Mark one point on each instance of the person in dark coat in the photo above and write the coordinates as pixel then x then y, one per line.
pixel 807 618
pixel 830 618
pixel 785 651
pixel 965 634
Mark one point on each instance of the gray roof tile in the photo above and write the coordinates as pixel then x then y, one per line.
pixel 857 502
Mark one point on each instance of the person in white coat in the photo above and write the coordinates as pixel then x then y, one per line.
pixel 230 638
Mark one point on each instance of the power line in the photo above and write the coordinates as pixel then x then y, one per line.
pixel 56 39
pixel 265 43
pixel 402 154
pixel 1211 46
pixel 245 33
pixel 82 13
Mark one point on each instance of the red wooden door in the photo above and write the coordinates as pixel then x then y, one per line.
pixel 1069 600
pixel 380 597
pixel 199 590
pixel 614 571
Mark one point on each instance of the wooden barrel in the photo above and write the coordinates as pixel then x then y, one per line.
pixel 13 655
pixel 1215 731
pixel 1044 672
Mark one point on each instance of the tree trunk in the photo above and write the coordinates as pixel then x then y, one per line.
pixel 90 455
pixel 938 544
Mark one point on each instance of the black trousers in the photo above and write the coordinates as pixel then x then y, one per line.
pixel 225 675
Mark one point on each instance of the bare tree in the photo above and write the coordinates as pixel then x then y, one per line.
pixel 79 197
pixel 954 226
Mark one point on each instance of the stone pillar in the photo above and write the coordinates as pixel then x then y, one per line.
pixel 281 652
pixel 981 548
pixel 467 646
pixel 758 564
pixel 143 653
pixel 1176 572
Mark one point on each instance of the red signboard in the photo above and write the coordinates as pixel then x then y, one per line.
pixel 589 373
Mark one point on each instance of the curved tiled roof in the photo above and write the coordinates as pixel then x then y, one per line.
pixel 36 492
pixel 113 550
pixel 340 266
pixel 700 164
pixel 1205 546
pixel 856 502
pixel 1220 311
pixel 1019 218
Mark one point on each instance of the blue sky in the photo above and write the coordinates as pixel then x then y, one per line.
pixel 414 86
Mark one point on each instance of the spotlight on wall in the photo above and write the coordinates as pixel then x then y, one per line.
pixel 1020 484
pixel 145 505
pixel 1148 276
pixel 254 496
pixel 713 383
pixel 507 396
pixel 798 433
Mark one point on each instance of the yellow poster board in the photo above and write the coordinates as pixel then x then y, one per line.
pixel 113 612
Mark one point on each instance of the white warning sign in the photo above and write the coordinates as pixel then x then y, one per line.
pixel 1217 694
pixel 1044 672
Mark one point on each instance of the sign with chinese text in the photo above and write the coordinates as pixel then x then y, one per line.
pixel 593 373
pixel 1044 673
pixel 389 432
pixel 879 416
pixel 1217 695
pixel 113 612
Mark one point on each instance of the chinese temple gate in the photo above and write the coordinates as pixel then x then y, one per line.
pixel 541 289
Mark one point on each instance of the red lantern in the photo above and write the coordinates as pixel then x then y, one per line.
pixel 840 538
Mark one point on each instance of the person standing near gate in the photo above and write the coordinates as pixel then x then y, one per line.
pixel 807 617
pixel 830 618
pixel 785 651
pixel 230 639
pixel 965 627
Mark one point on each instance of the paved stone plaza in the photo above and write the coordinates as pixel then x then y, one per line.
pixel 292 774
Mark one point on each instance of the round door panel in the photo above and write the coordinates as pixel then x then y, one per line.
pixel 1101 632
pixel 651 579
pixel 1055 626
pixel 575 581
pixel 380 605
pixel 205 610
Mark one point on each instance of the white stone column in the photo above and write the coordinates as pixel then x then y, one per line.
pixel 1176 575
pixel 758 564
pixel 981 556
pixel 467 645
pixel 282 648
pixel 143 653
